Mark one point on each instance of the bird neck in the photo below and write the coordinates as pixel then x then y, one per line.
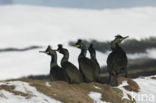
pixel 65 56
pixel 83 53
pixel 93 55
pixel 117 48
pixel 114 45
pixel 53 60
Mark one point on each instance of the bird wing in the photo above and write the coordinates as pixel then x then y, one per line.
pixel 87 68
pixel 72 71
pixel 116 61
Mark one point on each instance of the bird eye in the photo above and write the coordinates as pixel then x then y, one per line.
pixel 121 39
pixel 47 52
pixel 78 46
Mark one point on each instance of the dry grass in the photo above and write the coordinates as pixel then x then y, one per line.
pixel 132 85
pixel 62 91
pixel 153 78
pixel 73 93
pixel 78 93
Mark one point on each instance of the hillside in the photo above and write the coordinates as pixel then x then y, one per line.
pixel 37 91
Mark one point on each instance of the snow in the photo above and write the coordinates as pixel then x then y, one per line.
pixel 37 97
pixel 124 83
pixel 150 53
pixel 45 22
pixel 47 84
pixel 23 26
pixel 96 87
pixel 125 96
pixel 147 90
pixel 96 97
pixel 146 94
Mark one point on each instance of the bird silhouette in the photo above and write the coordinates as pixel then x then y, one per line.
pixel 94 59
pixel 56 73
pixel 117 60
pixel 73 74
pixel 86 66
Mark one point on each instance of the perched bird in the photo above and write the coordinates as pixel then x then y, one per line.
pixel 56 73
pixel 86 66
pixel 93 58
pixel 73 74
pixel 117 60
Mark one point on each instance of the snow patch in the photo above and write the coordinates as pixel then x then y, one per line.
pixel 146 94
pixel 96 87
pixel 124 83
pixel 47 84
pixel 96 97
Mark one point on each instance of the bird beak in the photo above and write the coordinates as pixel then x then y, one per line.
pixel 78 46
pixel 42 52
pixel 126 37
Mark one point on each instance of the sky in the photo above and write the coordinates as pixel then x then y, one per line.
pixel 87 4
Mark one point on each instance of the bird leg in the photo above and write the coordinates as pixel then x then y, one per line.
pixel 51 77
pixel 113 80
pixel 110 76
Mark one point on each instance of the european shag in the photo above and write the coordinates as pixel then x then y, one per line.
pixel 73 74
pixel 56 73
pixel 93 58
pixel 86 66
pixel 117 60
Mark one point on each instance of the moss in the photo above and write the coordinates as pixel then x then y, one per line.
pixel 118 91
pixel 88 87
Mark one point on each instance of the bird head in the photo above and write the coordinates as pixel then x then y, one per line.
pixel 90 47
pixel 78 44
pixel 120 38
pixel 60 47
pixel 48 51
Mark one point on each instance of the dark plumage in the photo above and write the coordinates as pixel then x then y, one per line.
pixel 73 74
pixel 94 59
pixel 86 66
pixel 117 60
pixel 56 73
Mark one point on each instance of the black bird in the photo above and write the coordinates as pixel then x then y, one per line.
pixel 73 74
pixel 86 66
pixel 56 73
pixel 117 60
pixel 93 58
